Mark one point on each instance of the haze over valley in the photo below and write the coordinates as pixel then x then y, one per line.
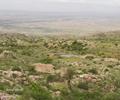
pixel 81 23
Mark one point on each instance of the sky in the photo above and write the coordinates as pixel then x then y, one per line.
pixel 62 5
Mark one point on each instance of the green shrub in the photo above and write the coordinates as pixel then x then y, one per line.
pixel 112 96
pixel 93 71
pixel 4 86
pixel 83 85
pixel 53 78
pixel 16 68
pixel 78 47
pixel 46 60
pixel 35 92
pixel 79 95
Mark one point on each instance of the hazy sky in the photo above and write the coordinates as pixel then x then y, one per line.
pixel 61 5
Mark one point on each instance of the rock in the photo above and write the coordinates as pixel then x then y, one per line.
pixel 10 73
pixel 57 93
pixel 62 71
pixel 77 64
pixel 97 59
pixel 34 78
pixel 111 60
pixel 4 96
pixel 16 73
pixel 110 88
pixel 89 77
pixel 6 81
pixel 89 56
pixel 7 54
pixel 78 71
pixel 44 68
pixel 75 81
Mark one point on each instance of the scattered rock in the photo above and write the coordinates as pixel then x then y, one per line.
pixel 4 96
pixel 89 77
pixel 111 60
pixel 7 54
pixel 75 81
pixel 10 73
pixel 57 93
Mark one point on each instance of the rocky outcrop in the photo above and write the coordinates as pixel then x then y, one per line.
pixel 44 68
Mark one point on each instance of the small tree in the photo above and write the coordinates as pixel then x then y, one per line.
pixel 69 76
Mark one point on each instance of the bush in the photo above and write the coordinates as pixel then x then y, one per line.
pixel 112 96
pixel 16 68
pixel 83 85
pixel 53 78
pixel 46 60
pixel 35 92
pixel 4 86
pixel 93 71
pixel 78 95
pixel 78 47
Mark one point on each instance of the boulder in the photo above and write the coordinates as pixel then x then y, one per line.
pixel 44 68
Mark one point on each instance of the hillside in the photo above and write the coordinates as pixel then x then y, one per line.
pixel 60 68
